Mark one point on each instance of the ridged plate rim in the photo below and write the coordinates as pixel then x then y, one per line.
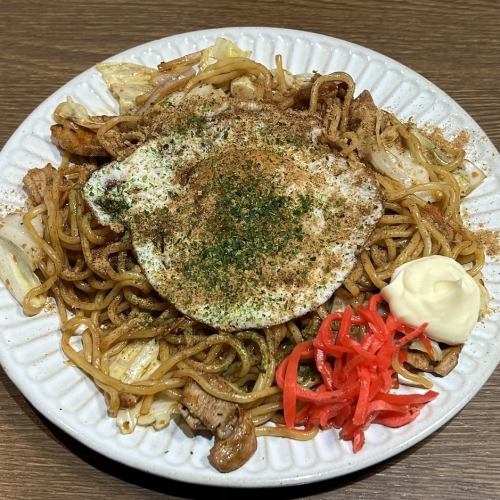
pixel 122 449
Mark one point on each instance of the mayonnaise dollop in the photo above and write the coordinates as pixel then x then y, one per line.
pixel 438 291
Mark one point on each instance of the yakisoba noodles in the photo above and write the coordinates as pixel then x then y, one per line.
pixel 103 296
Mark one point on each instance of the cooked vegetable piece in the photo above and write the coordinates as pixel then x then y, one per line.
pixel 135 361
pixel 159 415
pixel 357 375
pixel 127 81
pixel 244 88
pixel 468 177
pixel 400 166
pixel 220 50
pixel 13 229
pixel 78 114
pixel 16 272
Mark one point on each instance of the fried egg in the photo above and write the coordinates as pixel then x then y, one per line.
pixel 239 215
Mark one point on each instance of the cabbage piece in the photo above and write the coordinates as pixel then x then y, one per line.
pixel 244 88
pixel 77 113
pixel 126 418
pixel 440 157
pixel 13 229
pixel 136 361
pixel 400 166
pixel 468 177
pixel 417 345
pixel 159 416
pixel 221 49
pixel 126 95
pixel 17 273
pixel 126 82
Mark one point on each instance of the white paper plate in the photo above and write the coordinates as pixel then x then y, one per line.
pixel 29 347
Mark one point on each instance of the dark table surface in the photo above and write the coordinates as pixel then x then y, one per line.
pixel 455 44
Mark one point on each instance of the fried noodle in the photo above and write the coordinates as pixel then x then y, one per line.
pixel 92 273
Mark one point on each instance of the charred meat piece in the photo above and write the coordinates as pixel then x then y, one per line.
pixel 420 361
pixel 128 400
pixel 37 181
pixel 77 140
pixel 363 117
pixel 448 361
pixel 231 453
pixel 329 93
pixel 203 411
pixel 235 440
